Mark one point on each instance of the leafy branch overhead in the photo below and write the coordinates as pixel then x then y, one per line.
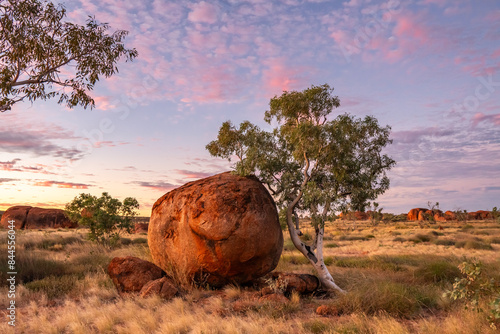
pixel 311 162
pixel 42 56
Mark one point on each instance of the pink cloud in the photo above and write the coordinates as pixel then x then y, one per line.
pixel 158 186
pixel 188 174
pixel 203 12
pixel 480 117
pixel 69 185
pixel 279 77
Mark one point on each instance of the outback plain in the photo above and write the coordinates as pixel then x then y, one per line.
pixel 396 273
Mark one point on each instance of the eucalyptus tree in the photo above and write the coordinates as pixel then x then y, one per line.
pixel 42 56
pixel 311 162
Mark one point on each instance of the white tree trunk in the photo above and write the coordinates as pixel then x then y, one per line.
pixel 316 260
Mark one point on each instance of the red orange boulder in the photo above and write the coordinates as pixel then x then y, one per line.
pixel 130 274
pixel 413 214
pixel 27 217
pixel 18 214
pixel 217 230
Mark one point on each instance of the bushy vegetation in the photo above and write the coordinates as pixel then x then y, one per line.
pixel 105 217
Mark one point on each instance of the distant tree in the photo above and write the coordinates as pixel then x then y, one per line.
pixel 106 217
pixel 310 163
pixel 42 56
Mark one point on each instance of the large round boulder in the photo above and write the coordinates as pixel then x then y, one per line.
pixel 217 230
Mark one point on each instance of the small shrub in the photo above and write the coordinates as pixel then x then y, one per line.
pixel 473 287
pixel 334 245
pixel 399 239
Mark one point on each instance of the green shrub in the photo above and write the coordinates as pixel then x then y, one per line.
pixel 331 245
pixel 106 217
pixel 474 287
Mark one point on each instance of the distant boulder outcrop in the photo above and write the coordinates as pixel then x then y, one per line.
pixel 415 214
pixel 27 217
pixel 141 227
pixel 422 214
pixel 218 230
pixel 479 215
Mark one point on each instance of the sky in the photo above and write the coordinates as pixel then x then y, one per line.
pixel 429 68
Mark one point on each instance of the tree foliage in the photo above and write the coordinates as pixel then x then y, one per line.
pixel 42 56
pixel 309 161
pixel 106 217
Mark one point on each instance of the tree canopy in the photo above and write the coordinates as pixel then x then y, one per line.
pixel 42 56
pixel 105 216
pixel 311 162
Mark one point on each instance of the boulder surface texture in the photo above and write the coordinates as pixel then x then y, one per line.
pixel 218 230
pixel 27 217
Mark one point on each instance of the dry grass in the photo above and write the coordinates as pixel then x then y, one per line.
pixel 394 286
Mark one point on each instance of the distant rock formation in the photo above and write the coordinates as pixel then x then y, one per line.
pixel 426 214
pixel 141 227
pixel 217 230
pixel 27 217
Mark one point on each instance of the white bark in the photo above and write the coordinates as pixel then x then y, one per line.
pixel 316 260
